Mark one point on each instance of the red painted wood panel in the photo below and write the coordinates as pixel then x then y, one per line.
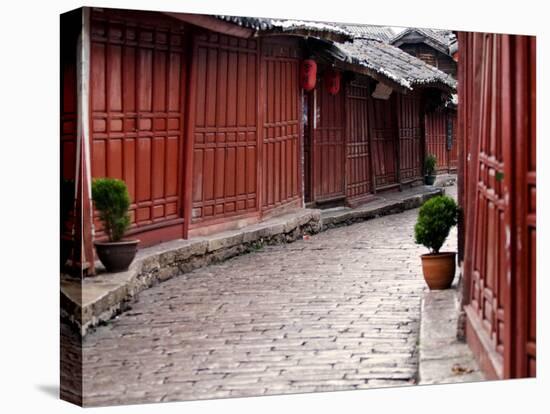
pixel 436 124
pixel 281 123
pixel 225 148
pixel 409 124
pixel 328 145
pixel 436 137
pixel 384 141
pixel 70 30
pixel 498 195
pixel 359 180
pixel 137 103
pixel 452 154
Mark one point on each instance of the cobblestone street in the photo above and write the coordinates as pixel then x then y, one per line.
pixel 336 312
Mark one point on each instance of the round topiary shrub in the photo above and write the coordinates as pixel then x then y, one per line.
pixel 430 164
pixel 112 200
pixel 436 218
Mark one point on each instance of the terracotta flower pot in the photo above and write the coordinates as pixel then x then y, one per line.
pixel 116 256
pixel 439 269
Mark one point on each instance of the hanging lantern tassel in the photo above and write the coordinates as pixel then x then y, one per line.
pixel 332 81
pixel 308 74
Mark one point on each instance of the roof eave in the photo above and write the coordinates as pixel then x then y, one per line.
pixel 212 23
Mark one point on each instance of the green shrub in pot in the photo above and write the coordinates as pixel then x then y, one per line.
pixel 435 219
pixel 112 201
pixel 430 164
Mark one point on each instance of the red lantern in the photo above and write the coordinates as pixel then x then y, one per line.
pixel 332 81
pixel 308 74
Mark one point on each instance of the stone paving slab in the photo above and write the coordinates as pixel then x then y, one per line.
pixel 94 300
pixel 443 359
pixel 97 299
pixel 339 311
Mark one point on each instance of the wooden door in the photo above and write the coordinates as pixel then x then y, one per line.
pixel 452 149
pixel 137 89
pixel 436 138
pixel 224 128
pixel 384 141
pixel 358 165
pixel 498 132
pixel 523 79
pixel 281 179
pixel 410 118
pixel 328 145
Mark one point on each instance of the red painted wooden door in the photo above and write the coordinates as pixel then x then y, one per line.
pixel 498 132
pixel 410 136
pixel 328 145
pixel 525 163
pixel 225 130
pixel 136 98
pixel 489 297
pixel 452 152
pixel 436 137
pixel 281 178
pixel 359 179
pixel 384 141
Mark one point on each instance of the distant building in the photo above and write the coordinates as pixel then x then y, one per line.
pixel 435 47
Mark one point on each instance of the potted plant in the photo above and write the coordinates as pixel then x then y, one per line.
pixel 112 200
pixel 436 218
pixel 429 169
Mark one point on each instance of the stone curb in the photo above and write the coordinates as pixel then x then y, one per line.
pixel 442 357
pixel 377 208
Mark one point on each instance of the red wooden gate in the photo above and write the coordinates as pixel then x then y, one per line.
pixel 383 135
pixel 497 131
pixel 452 153
pixel 437 126
pixel 136 95
pixel 436 137
pixel 224 128
pixel 328 145
pixel 281 178
pixel 410 119
pixel 358 165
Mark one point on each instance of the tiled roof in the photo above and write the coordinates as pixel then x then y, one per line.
pixel 301 27
pixel 387 61
pixel 367 31
pixel 438 39
pixel 358 45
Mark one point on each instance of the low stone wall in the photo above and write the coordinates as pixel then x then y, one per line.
pixel 391 204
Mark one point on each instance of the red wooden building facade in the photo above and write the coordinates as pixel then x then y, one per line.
pixel 436 47
pixel 497 190
pixel 210 128
pixel 441 139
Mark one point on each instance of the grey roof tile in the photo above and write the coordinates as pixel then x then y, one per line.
pixel 303 27
pixel 394 64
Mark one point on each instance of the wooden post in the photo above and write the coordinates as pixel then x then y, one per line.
pixel 261 73
pixel 396 109
pixel 191 52
pixel 83 170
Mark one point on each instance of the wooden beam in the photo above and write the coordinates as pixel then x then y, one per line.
pixel 214 24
